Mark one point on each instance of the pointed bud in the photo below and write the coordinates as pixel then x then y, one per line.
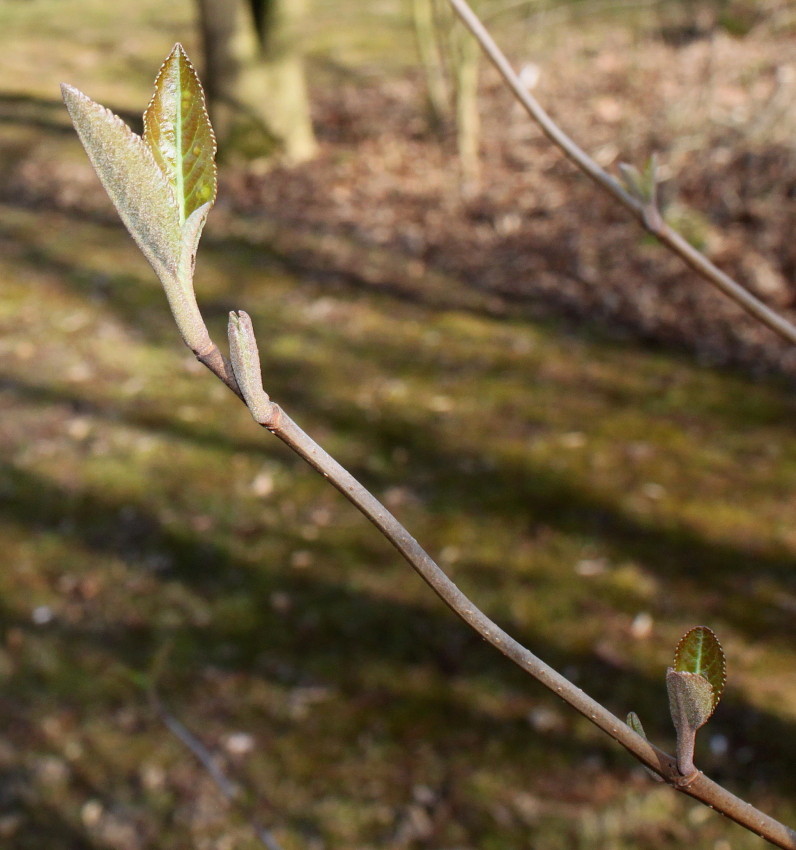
pixel 245 359
pixel 634 723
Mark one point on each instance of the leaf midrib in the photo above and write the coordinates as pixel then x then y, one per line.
pixel 178 143
pixel 699 655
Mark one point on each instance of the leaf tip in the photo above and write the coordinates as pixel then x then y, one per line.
pixel 72 95
pixel 177 52
pixel 178 132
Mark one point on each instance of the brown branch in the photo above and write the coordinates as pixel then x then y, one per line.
pixel 651 223
pixel 700 787
pixel 272 417
pixel 246 364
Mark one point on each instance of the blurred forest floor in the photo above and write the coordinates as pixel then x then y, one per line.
pixel 598 447
pixel 535 240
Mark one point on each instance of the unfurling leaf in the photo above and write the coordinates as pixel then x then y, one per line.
pixel 691 702
pixel 162 185
pixel 691 699
pixel 178 132
pixel 132 179
pixel 694 684
pixel 700 652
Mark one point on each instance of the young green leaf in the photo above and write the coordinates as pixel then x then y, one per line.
pixel 132 179
pixel 700 652
pixel 166 226
pixel 643 186
pixel 178 132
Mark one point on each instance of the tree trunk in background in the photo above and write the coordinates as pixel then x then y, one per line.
pixel 468 117
pixel 450 57
pixel 254 77
pixel 430 50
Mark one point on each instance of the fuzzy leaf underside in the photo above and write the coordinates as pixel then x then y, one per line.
pixel 178 133
pixel 700 652
pixel 191 234
pixel 691 699
pixel 132 179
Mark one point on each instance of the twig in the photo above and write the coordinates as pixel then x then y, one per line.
pixel 247 386
pixel 652 224
pixel 246 364
pixel 700 787
pixel 205 758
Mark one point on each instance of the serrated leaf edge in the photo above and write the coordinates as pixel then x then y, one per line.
pixel 717 692
pixel 179 50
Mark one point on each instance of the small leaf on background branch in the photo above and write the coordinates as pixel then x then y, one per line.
pixel 643 186
pixel 632 180
pixel 178 133
pixel 699 651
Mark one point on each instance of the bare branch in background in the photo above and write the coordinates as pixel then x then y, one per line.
pixel 228 788
pixel 648 216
